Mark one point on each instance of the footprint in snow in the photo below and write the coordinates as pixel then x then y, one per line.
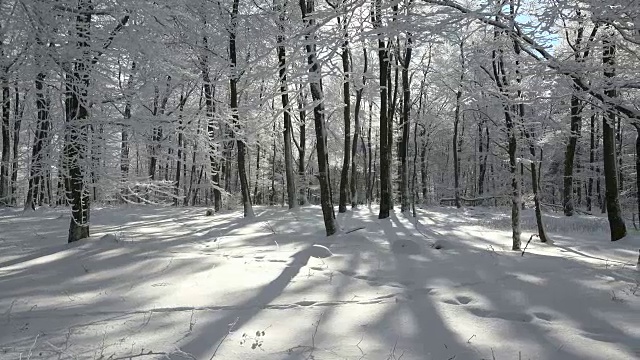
pixel 543 316
pixel 504 315
pixel 602 337
pixel 305 303
pixel 459 300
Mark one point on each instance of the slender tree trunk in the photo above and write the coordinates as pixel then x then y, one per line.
pixel 6 140
pixel 369 195
pixel 192 174
pixel 456 125
pixel 18 112
pixel 75 148
pixel 209 91
pixel 233 92
pixel 315 85
pixel 512 148
pixel 124 136
pixel 637 126
pixel 614 212
pixel 356 132
pixel 346 114
pixel 576 121
pixel 288 127
pixel 406 127
pixel 272 196
pixel 385 146
pixel 414 174
pixel 36 172
pixel 592 153
pixel 302 149
pixel 482 167
pixel 619 132
pixel 180 130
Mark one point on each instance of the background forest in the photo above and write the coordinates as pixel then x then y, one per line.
pixel 223 103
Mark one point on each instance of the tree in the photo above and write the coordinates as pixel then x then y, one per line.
pixel 288 126
pixel 233 93
pixel 456 125
pixel 315 87
pixel 614 212
pixel 346 115
pixel 385 133
pixel 356 130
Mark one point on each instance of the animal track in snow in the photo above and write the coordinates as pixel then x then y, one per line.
pixel 305 303
pixel 504 315
pixel 458 300
pixel 543 316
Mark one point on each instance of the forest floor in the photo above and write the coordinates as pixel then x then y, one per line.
pixel 163 282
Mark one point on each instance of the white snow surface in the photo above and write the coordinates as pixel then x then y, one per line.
pixel 162 282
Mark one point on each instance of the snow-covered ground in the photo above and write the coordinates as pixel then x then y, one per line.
pixel 173 283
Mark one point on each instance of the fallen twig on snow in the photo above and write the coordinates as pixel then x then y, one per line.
pixel 354 230
pixel 224 337
pixel 525 247
pixel 142 353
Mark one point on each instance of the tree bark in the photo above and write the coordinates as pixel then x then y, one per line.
pixel 36 172
pixel 356 132
pixel 6 139
pixel 288 127
pixel 302 149
pixel 75 147
pixel 637 126
pixel 124 136
pixel 18 112
pixel 576 121
pixel 346 114
pixel 315 86
pixel 614 212
pixel 501 80
pixel 233 92
pixel 385 146
pixel 456 124
pixel 406 126
pixel 592 153
pixel 209 90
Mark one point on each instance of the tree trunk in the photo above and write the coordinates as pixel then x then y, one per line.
pixel 18 112
pixel 346 111
pixel 576 121
pixel 75 147
pixel 209 91
pixel 233 92
pixel 385 146
pixel 369 195
pixel 36 172
pixel 637 126
pixel 356 132
pixel 406 127
pixel 483 153
pixel 619 131
pixel 456 160
pixel 501 80
pixel 315 86
pixel 302 149
pixel 592 153
pixel 180 131
pixel 6 140
pixel 614 212
pixel 288 127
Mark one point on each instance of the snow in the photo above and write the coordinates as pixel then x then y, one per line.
pixel 162 282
